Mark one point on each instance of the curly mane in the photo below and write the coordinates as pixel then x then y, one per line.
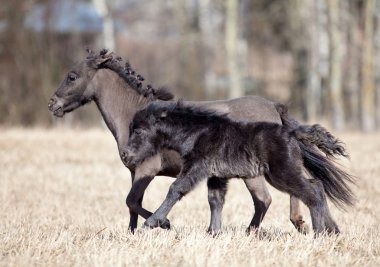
pixel 187 112
pixel 129 75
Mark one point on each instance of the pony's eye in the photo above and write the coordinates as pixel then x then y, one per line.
pixel 138 131
pixel 72 77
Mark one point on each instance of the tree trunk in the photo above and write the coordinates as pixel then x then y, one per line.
pixel 305 76
pixel 353 63
pixel 368 87
pixel 108 26
pixel 190 60
pixel 211 44
pixel 314 88
pixel 231 43
pixel 335 65
pixel 323 56
pixel 376 39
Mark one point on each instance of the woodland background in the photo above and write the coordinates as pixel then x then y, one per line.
pixel 63 188
pixel 320 57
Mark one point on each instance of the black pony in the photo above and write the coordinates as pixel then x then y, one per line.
pixel 212 145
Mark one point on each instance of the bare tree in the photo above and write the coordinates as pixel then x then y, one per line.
pixel 368 87
pixel 305 51
pixel 335 65
pixel 190 59
pixel 231 43
pixel 313 97
pixel 376 39
pixel 108 25
pixel 353 65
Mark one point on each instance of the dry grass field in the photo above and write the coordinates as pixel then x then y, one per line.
pixel 62 203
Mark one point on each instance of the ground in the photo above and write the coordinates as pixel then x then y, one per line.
pixel 62 203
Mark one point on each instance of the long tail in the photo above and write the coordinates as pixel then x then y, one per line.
pixel 335 181
pixel 321 138
pixel 312 135
pixel 321 167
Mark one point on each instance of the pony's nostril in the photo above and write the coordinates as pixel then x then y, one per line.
pixel 52 101
pixel 124 155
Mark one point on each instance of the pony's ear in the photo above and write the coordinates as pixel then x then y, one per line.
pixel 96 60
pixel 179 103
pixel 89 51
pixel 102 59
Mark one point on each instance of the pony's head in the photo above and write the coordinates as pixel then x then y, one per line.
pixel 146 135
pixel 75 90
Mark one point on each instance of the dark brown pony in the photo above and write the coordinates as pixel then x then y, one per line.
pixel 213 145
pixel 119 92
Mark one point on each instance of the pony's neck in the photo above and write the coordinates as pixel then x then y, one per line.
pixel 182 137
pixel 117 102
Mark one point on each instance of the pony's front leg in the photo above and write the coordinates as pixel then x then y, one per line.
pixel 133 216
pixel 134 200
pixel 179 188
pixel 217 189
pixel 141 178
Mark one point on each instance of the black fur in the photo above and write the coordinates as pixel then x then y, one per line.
pixel 212 145
pixel 334 179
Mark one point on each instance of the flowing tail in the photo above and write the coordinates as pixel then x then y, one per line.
pixel 335 181
pixel 321 167
pixel 312 135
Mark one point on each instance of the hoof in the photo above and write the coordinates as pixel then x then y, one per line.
pixel 333 231
pixel 251 229
pixel 213 233
pixel 303 228
pixel 151 223
pixel 165 224
pixel 300 225
pixel 132 230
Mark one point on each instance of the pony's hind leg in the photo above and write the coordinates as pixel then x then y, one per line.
pixel 217 189
pixel 308 191
pixel 329 224
pixel 296 217
pixel 261 200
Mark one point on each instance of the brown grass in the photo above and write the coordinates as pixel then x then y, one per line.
pixel 62 204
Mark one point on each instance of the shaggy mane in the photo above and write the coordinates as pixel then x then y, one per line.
pixel 188 112
pixel 129 75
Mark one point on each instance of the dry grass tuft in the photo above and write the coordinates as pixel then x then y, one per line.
pixel 62 204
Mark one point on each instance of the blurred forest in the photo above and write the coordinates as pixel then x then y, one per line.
pixel 321 57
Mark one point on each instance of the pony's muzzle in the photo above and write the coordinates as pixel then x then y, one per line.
pixel 51 103
pixel 56 106
pixel 127 157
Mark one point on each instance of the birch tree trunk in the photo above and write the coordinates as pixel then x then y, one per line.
pixel 314 88
pixel 190 60
pixel 211 43
pixel 323 55
pixel 108 35
pixel 305 77
pixel 368 87
pixel 353 83
pixel 376 41
pixel 335 65
pixel 231 44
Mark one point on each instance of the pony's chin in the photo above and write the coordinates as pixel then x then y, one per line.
pixel 59 112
